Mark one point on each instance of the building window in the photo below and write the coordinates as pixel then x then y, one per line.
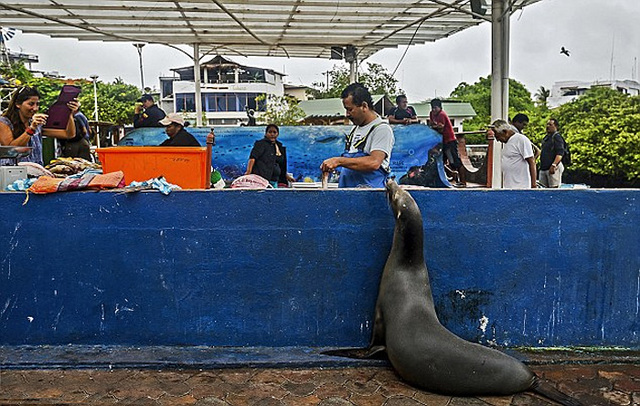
pixel 219 102
pixel 185 102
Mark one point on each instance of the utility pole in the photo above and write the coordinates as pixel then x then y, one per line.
pixel 139 47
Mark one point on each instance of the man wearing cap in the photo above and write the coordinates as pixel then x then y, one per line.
pixel 178 136
pixel 147 114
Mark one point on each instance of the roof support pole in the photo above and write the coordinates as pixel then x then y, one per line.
pixel 353 71
pixel 500 32
pixel 196 74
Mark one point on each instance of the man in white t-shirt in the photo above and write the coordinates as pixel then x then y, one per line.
pixel 365 160
pixel 518 163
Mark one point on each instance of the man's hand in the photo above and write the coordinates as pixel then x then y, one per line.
pixel 552 169
pixel 329 165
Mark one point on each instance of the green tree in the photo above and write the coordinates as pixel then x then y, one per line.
pixel 542 95
pixel 15 73
pixel 375 77
pixel 281 110
pixel 602 128
pixel 479 95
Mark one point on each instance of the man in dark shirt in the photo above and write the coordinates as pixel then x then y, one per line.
pixel 402 113
pixel 551 167
pixel 178 136
pixel 147 114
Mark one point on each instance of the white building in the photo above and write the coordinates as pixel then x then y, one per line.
pixel 564 92
pixel 228 90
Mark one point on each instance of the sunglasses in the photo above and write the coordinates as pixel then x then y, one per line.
pixel 24 89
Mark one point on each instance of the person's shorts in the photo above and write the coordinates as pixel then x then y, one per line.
pixel 549 180
pixel 450 152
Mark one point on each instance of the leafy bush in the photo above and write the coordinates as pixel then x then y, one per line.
pixel 603 129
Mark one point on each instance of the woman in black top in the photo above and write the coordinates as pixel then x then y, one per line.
pixel 268 158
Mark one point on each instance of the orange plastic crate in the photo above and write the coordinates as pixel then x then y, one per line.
pixel 183 166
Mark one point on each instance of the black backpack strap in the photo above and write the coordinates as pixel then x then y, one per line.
pixel 364 139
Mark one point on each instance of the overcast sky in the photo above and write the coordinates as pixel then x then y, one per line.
pixel 594 31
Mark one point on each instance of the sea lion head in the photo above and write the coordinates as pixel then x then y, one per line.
pixel 408 235
pixel 402 203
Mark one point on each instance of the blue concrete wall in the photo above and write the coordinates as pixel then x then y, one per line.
pixel 301 268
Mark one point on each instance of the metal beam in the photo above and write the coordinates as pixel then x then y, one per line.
pixel 500 32
pixel 196 73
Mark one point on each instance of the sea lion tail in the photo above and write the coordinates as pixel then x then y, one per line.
pixel 549 391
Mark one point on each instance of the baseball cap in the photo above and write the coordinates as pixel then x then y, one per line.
pixel 172 118
pixel 145 97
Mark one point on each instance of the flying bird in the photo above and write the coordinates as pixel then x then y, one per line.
pixel 564 51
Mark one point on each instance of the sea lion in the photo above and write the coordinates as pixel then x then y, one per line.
pixel 420 349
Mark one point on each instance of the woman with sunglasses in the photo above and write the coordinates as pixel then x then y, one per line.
pixel 21 125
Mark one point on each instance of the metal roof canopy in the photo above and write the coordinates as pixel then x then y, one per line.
pixel 290 28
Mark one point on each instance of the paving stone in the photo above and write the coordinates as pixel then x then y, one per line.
pixel 205 378
pixel 431 399
pixel 631 370
pixel 337 376
pixel 617 397
pixel 612 375
pixel 238 375
pixel 142 401
pixel 582 386
pixel 374 400
pixel 299 376
pixel 332 390
pixel 251 394
pixel 210 401
pixel 301 401
pixel 402 401
pixel 529 399
pixel 207 391
pixel 496 400
pixel 626 384
pixel 299 389
pixel 362 387
pixel 268 377
pixel 592 399
pixel 177 400
pixel 268 402
pixel 396 387
pixel 335 402
pixel 225 389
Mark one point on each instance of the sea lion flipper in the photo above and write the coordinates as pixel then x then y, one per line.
pixel 549 391
pixel 377 351
pixel 359 353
